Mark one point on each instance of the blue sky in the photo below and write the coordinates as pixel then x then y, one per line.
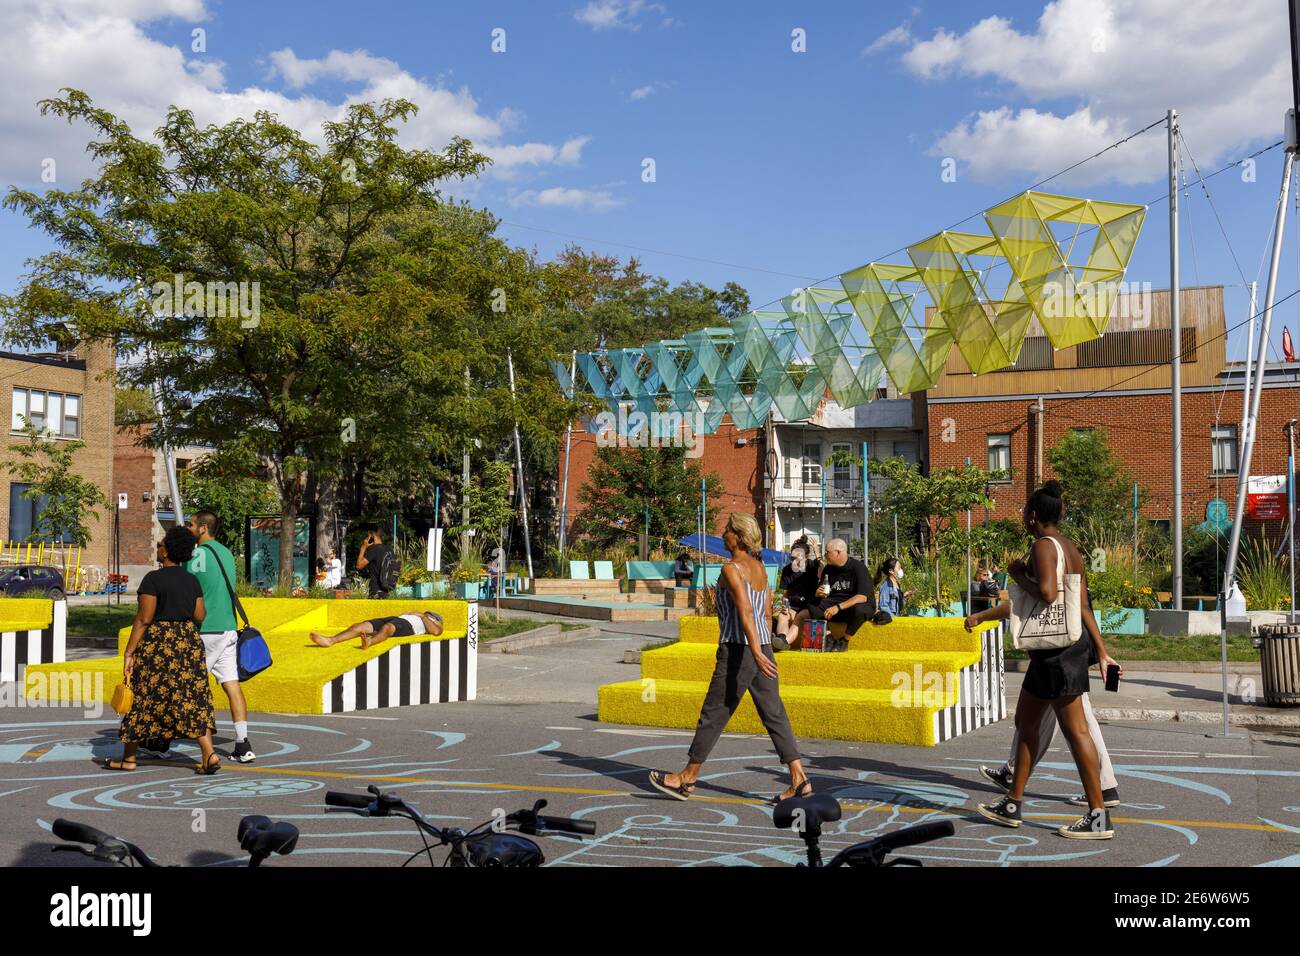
pixel 772 167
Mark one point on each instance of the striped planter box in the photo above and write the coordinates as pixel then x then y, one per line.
pixel 427 672
pixel 981 691
pixel 46 645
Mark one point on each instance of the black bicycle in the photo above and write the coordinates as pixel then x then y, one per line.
pixel 259 837
pixel 805 816
pixel 487 844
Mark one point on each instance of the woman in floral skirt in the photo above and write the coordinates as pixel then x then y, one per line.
pixel 165 665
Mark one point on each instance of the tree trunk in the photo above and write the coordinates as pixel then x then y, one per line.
pixel 290 501
pixel 327 507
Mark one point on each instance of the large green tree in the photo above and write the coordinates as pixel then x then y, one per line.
pixel 365 299
pixel 624 482
pixel 1098 488
pixel 935 499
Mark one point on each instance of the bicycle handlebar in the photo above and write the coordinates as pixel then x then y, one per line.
pixel 349 800
pixel 79 832
pixel 567 825
pixel 911 836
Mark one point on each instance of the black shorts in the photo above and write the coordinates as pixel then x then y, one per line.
pixel 401 627
pixel 851 617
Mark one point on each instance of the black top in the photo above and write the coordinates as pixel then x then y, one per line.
pixel 375 564
pixel 799 586
pixel 177 592
pixel 851 579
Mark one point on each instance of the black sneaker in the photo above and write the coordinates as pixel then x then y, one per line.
pixel 1000 778
pixel 779 644
pixel 243 752
pixel 1109 798
pixel 1006 812
pixel 1093 825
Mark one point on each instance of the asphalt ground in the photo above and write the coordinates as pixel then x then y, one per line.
pixel 1190 796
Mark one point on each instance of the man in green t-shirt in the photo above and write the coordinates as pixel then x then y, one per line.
pixel 219 630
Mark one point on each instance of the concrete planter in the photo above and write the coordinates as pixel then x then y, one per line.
pixel 466 590
pixel 1124 620
pixel 424 589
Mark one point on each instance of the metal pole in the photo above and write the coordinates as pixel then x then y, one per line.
pixel 866 509
pixel 523 487
pixel 437 498
pixel 1038 443
pixel 1135 530
pixel 968 585
pixel 824 538
pixel 1290 502
pixel 464 487
pixel 704 529
pixel 1257 387
pixel 564 492
pixel 895 534
pixel 1245 388
pixel 1176 385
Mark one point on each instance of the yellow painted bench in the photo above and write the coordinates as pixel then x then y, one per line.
pixel 307 679
pixel 914 681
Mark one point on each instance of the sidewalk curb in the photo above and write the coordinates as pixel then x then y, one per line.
pixel 1236 718
pixel 544 636
pixel 1164 667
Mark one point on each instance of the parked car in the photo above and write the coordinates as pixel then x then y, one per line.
pixel 32 580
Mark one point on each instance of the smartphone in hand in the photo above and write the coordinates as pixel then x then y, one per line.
pixel 1112 677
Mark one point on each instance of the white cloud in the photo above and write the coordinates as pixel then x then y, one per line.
pixel 641 92
pixel 566 197
pixel 899 36
pixel 1116 65
pixel 619 14
pixel 51 44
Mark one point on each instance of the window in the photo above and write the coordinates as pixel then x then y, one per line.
pixel 812 464
pixel 848 531
pixel 56 414
pixel 842 472
pixel 1223 449
pixel 1000 453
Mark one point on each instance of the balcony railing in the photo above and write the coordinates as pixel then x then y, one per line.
pixel 839 494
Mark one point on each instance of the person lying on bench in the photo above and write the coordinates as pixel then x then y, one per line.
pixel 381 628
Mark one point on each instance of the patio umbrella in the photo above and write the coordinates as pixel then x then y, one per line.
pixel 713 545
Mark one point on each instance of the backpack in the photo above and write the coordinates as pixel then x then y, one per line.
pixel 388 570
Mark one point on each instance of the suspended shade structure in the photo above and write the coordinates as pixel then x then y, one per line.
pixel 1056 259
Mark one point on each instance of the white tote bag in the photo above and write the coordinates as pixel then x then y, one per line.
pixel 1040 626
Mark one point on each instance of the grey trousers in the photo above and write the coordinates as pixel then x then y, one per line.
pixel 1047 732
pixel 736 672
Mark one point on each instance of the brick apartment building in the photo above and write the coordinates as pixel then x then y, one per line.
pixel 1119 383
pixel 70 395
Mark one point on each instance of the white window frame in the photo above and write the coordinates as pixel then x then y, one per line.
pixel 68 424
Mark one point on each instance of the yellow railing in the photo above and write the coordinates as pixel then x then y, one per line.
pixel 67 558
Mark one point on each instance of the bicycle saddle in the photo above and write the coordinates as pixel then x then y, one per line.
pixel 259 837
pixel 806 814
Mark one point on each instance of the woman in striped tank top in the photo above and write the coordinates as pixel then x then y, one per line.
pixel 744 663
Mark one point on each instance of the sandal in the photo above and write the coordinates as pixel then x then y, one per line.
pixel 803 790
pixel 658 780
pixel 127 766
pixel 209 768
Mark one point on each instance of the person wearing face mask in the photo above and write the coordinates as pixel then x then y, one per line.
pixel 889 577
pixel 798 585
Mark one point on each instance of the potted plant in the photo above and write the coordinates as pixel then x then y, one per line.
pixel 415 581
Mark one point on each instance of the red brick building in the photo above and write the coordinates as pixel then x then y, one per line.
pixel 1119 384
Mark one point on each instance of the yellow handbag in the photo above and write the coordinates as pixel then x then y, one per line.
pixel 122 699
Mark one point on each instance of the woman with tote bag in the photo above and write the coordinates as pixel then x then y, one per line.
pixel 1046 621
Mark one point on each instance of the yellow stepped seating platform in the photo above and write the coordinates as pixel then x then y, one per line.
pixel 32 631
pixel 305 678
pixel 914 681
